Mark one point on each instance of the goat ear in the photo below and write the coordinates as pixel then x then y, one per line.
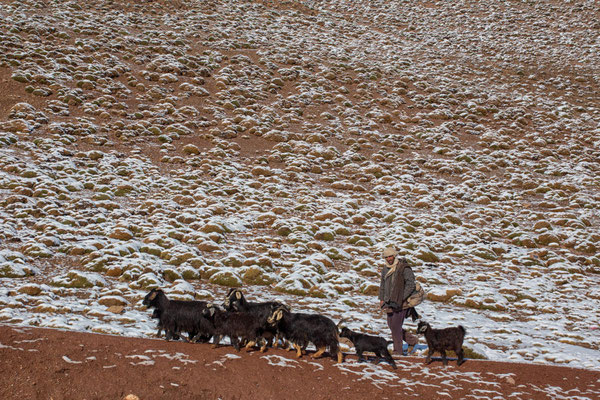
pixel 152 296
pixel 279 315
pixel 238 295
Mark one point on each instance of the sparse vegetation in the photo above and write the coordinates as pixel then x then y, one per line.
pixel 151 151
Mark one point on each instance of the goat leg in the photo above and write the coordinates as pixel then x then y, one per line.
pixel 377 357
pixel 319 352
pixel 235 342
pixel 460 353
pixel 216 341
pixel 429 354
pixel 444 359
pixel 269 342
pixel 201 338
pixel 360 356
pixel 263 348
pixel 280 338
pixel 298 350
pixel 388 357
pixel 250 344
pixel 180 336
pixel 171 335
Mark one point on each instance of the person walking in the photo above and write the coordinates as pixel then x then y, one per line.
pixel 397 284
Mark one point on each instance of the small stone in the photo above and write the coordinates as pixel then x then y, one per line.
pixel 116 309
pixel 112 301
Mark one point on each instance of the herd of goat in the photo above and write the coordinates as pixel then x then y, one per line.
pixel 268 323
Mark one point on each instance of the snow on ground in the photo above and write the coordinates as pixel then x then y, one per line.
pixel 281 149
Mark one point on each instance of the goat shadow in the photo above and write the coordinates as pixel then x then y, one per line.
pixel 439 358
pixel 369 357
pixel 451 360
pixel 433 358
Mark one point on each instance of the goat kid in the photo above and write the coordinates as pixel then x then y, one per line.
pixel 443 339
pixel 374 344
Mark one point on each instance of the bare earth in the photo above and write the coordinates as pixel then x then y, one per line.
pixel 45 363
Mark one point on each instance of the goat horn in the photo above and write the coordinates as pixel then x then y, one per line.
pixel 340 323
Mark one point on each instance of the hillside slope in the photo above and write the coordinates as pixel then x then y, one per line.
pixel 280 146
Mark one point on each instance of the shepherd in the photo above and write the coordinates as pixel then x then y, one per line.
pixel 397 285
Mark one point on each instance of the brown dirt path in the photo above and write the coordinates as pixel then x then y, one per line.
pixel 40 363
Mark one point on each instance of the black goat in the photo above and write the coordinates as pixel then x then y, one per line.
pixel 175 316
pixel 301 329
pixel 442 340
pixel 235 325
pixel 235 301
pixel 363 342
pixel 156 315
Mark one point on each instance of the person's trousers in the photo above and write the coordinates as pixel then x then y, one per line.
pixel 395 321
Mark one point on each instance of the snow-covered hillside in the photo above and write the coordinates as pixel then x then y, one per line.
pixel 280 146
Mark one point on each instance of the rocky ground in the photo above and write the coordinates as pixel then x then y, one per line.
pixel 279 146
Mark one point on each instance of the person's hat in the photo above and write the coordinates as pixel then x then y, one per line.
pixel 389 251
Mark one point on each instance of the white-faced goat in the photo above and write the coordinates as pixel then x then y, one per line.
pixel 442 340
pixel 176 316
pixel 235 301
pixel 236 325
pixel 301 329
pixel 374 344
